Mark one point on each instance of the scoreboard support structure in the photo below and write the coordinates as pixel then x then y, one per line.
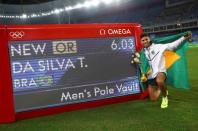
pixel 49 69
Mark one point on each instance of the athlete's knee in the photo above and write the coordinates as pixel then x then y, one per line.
pixel 160 82
pixel 153 98
pixel 160 79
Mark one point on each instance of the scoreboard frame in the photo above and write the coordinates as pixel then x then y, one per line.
pixel 56 31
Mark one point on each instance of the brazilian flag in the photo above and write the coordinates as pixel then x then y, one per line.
pixel 176 63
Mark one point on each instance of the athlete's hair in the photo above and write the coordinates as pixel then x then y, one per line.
pixel 144 35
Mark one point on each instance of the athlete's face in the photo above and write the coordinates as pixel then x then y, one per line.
pixel 146 41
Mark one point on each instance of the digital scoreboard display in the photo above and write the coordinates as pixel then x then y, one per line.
pixel 49 73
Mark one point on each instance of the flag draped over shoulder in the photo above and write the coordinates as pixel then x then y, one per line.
pixel 176 63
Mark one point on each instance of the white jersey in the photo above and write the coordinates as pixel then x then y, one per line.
pixel 155 55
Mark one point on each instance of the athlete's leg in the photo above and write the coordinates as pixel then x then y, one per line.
pixel 153 93
pixel 160 79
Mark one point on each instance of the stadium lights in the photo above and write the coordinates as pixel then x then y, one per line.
pixel 24 16
pixel 95 2
pixel 69 8
pixel 78 6
pixel 56 11
pixel 107 1
pixel 86 4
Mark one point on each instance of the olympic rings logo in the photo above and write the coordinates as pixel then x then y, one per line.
pixel 17 34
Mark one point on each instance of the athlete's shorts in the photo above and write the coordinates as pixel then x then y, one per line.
pixel 153 82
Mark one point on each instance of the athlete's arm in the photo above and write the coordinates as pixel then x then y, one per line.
pixel 175 44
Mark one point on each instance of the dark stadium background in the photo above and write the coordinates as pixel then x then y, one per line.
pixel 158 17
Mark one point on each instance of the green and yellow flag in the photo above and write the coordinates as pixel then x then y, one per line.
pixel 176 63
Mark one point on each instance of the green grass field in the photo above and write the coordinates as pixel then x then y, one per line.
pixel 144 115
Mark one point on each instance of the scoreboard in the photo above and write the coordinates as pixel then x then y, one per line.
pixel 56 68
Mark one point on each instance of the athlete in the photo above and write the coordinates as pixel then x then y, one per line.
pixel 155 55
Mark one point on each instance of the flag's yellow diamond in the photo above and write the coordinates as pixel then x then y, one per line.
pixel 170 58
